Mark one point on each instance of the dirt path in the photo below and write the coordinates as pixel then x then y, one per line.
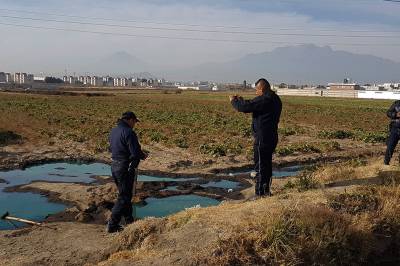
pixel 64 244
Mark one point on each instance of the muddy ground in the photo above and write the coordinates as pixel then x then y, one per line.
pixel 77 236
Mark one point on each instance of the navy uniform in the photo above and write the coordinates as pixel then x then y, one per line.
pixel 266 111
pixel 126 155
pixel 394 130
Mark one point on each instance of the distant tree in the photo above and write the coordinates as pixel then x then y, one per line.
pixel 53 80
pixel 283 86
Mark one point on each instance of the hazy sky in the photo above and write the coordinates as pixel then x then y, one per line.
pixel 263 25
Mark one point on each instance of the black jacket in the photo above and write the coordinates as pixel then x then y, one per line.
pixel 392 112
pixel 266 111
pixel 124 144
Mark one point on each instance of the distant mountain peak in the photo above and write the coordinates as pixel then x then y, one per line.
pixel 301 64
pixel 120 63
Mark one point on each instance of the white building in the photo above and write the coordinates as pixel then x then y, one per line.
pixel 9 78
pixel 17 77
pixel 122 82
pixel 85 80
pixel 196 88
pixel 386 86
pixel 108 81
pixel 117 82
pixel 96 81
pixel 23 78
pixel 70 79
pixel 39 79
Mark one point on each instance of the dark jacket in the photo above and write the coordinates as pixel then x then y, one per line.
pixel 124 144
pixel 266 111
pixel 392 112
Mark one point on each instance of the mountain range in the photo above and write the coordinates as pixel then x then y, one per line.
pixel 292 64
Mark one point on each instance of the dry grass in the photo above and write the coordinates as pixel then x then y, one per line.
pixel 134 236
pixel 359 225
pixel 353 172
pixel 348 170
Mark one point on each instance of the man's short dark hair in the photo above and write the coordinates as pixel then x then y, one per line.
pixel 267 85
pixel 129 115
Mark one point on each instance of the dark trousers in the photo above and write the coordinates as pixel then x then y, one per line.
pixel 263 165
pixel 391 143
pixel 124 178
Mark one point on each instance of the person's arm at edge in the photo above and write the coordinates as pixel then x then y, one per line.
pixel 391 113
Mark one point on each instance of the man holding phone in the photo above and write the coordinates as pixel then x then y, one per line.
pixel 266 110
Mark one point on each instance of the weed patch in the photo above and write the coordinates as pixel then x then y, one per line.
pixel 9 137
pixel 291 149
pixel 364 200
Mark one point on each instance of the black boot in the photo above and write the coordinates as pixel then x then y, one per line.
pixel 113 228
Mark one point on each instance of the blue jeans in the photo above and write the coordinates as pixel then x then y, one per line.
pixel 124 178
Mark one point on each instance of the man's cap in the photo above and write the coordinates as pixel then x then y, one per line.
pixel 129 115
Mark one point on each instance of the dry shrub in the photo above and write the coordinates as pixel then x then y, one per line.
pixel 180 219
pixel 9 137
pixel 360 200
pixel 388 215
pixel 301 235
pixel 238 249
pixel 378 209
pixel 390 177
pixel 353 169
pixel 134 235
pixel 335 172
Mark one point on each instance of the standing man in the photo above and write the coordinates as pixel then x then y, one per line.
pixel 266 110
pixel 126 155
pixel 394 130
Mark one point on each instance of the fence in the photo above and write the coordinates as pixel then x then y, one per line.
pixel 390 95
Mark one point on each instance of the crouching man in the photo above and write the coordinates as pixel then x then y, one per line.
pixel 126 156
pixel 266 110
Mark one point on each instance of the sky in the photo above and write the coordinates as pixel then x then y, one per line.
pixel 179 34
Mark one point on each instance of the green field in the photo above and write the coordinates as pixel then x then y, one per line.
pixel 203 122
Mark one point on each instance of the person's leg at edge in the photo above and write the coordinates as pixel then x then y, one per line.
pixel 257 168
pixel 391 145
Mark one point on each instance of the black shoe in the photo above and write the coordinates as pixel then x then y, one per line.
pixel 268 194
pixel 129 220
pixel 114 229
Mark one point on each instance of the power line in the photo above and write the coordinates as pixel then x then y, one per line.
pixel 191 25
pixel 191 38
pixel 201 31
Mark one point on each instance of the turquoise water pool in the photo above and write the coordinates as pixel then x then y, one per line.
pixel 36 207
pixel 170 205
pixel 222 184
